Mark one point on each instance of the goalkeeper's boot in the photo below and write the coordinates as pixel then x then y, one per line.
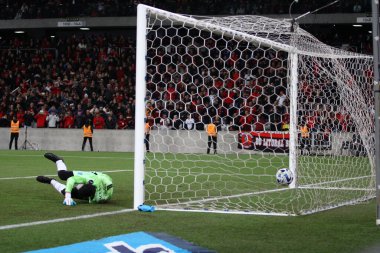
pixel 43 179
pixel 52 157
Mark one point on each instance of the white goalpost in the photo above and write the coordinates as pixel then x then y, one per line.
pixel 259 81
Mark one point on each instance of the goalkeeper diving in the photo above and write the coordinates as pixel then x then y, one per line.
pixel 95 187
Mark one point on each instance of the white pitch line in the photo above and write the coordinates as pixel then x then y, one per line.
pixel 71 156
pixel 338 188
pixel 29 177
pixel 336 181
pixel 87 216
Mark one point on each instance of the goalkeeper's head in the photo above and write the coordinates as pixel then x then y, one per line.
pixel 87 190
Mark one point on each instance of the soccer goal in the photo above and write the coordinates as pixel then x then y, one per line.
pixel 279 98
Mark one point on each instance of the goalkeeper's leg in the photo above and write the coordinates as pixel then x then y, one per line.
pixel 81 191
pixel 63 173
pixel 56 185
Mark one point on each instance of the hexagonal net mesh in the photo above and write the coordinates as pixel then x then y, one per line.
pixel 278 99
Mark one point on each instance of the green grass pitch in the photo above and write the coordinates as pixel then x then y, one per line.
pixel 246 183
pixel 23 200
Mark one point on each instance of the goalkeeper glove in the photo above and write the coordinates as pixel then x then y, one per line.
pixel 68 201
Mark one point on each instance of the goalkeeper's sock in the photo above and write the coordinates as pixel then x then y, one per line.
pixel 60 165
pixel 57 185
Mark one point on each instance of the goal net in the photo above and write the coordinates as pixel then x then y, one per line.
pixel 279 99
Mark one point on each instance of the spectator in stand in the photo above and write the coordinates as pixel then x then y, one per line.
pixel 68 120
pixel 280 102
pixel 122 122
pixel 100 102
pixel 108 93
pixel 259 125
pixel 176 123
pixel 105 111
pixel 41 118
pixel 276 125
pixel 130 119
pixel 189 123
pixel 52 119
pixel 89 116
pixel 165 122
pixel 29 118
pixel 20 115
pixel 99 122
pixel 285 124
pixel 246 121
pixel 79 119
pixel 234 125
pixel 4 122
pixel 110 122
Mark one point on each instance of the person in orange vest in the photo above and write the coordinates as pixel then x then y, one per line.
pixel 15 130
pixel 305 137
pixel 87 134
pixel 212 133
pixel 147 134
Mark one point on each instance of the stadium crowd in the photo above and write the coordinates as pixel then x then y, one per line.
pixel 101 8
pixel 64 82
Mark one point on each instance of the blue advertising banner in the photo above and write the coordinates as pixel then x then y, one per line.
pixel 139 242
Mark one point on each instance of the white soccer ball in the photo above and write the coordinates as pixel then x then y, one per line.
pixel 284 176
